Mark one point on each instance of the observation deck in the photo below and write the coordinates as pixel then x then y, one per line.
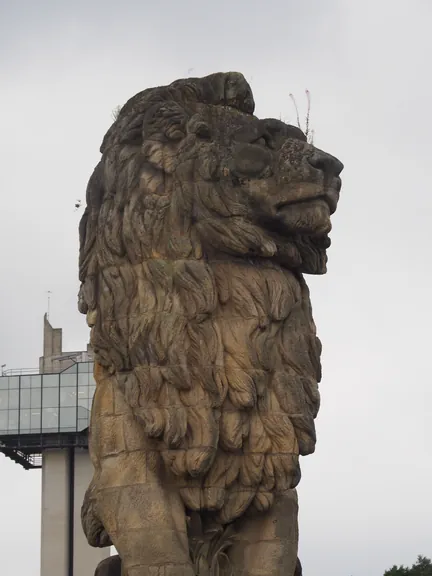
pixel 39 412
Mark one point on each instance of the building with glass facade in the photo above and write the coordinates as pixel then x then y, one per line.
pixel 45 411
pixel 47 403
pixel 44 421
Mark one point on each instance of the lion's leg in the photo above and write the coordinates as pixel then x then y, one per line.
pixel 131 495
pixel 267 542
pixel 146 522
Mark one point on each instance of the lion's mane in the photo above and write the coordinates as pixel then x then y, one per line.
pixel 211 342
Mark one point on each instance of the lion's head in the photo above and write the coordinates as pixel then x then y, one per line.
pixel 200 220
pixel 220 180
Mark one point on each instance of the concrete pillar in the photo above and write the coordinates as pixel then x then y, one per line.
pixel 86 558
pixel 55 492
pixel 59 533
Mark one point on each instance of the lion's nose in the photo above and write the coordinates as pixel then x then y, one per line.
pixel 327 163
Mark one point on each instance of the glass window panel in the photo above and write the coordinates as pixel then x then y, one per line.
pixel 3 421
pixel 35 381
pixel 35 420
pixel 83 423
pixel 24 420
pixel 25 381
pixel 68 397
pixel 84 403
pixel 50 381
pixel 68 380
pixel 13 421
pixel 14 399
pixel 13 382
pixel 83 379
pixel 50 420
pixel 50 397
pixel 83 412
pixel 92 390
pixel 4 382
pixel 25 398
pixel 71 370
pixel 4 399
pixel 68 418
pixel 83 391
pixel 35 397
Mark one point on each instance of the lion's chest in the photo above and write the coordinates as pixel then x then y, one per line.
pixel 264 318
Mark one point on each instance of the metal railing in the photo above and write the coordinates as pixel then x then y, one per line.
pixel 75 357
pixel 20 371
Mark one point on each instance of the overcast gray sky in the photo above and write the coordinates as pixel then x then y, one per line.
pixel 365 495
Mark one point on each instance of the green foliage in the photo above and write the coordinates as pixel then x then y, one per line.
pixel 423 567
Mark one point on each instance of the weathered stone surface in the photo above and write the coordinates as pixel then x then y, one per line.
pixel 112 567
pixel 201 220
pixel 109 567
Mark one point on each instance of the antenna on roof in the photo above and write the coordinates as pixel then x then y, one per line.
pixel 49 301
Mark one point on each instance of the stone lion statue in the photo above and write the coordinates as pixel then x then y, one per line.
pixel 201 220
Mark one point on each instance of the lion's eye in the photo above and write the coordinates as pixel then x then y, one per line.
pixel 260 141
pixel 202 131
pixel 264 141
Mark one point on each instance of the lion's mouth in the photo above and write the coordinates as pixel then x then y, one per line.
pixel 326 198
pixel 303 219
pixel 304 194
